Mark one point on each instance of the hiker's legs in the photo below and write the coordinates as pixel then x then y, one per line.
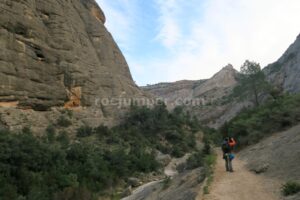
pixel 227 162
pixel 230 165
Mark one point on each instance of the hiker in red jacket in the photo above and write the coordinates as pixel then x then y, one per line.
pixel 227 147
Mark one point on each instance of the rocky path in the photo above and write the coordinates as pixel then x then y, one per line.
pixel 239 185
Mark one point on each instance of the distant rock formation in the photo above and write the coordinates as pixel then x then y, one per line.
pixel 206 90
pixel 58 53
pixel 199 96
pixel 171 92
pixel 217 86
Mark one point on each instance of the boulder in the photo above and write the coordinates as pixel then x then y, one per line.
pixel 260 168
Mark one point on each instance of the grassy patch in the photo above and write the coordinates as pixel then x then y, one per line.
pixel 210 161
pixel 167 182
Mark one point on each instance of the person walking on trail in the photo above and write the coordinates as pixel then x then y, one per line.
pixel 227 147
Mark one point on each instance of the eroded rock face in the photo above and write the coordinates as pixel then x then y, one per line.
pixel 285 72
pixel 57 54
pixel 48 48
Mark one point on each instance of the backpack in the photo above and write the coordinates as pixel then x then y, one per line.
pixel 225 147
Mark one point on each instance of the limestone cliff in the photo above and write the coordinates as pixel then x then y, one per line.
pixel 285 72
pixel 58 53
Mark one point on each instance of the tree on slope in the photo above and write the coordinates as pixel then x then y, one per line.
pixel 252 82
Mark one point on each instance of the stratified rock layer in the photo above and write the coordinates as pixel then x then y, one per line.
pixel 57 55
pixel 51 49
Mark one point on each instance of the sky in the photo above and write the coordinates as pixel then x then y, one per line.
pixel 170 40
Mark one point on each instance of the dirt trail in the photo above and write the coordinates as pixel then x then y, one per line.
pixel 239 185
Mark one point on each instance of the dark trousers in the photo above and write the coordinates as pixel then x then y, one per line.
pixel 228 163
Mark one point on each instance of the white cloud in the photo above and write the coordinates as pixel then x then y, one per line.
pixel 170 32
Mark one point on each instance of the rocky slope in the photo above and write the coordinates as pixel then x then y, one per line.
pixel 57 54
pixel 285 72
pixel 277 158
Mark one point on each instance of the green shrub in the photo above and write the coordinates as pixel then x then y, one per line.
pixel 164 149
pixel 195 160
pixel 50 131
pixel 27 130
pixel 84 131
pixel 174 136
pixel 63 121
pixel 68 112
pixel 63 138
pixel 177 151
pixel 210 161
pixel 113 138
pixel 290 188
pixel 102 131
pixel 207 147
pixel 169 132
pixel 140 160
pixel 212 135
pixel 167 183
